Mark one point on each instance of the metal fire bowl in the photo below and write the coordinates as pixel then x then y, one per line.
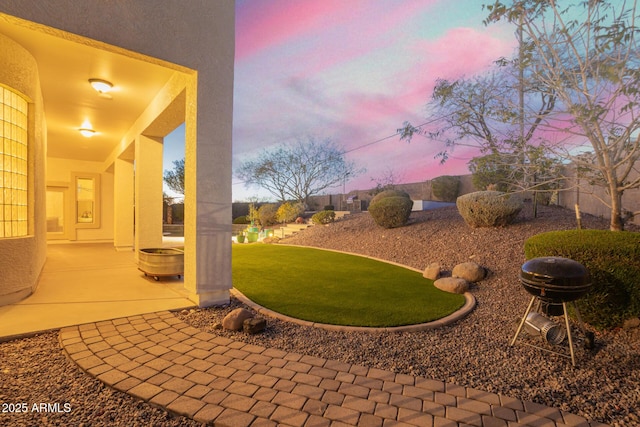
pixel 555 279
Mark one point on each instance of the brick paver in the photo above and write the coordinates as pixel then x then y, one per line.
pixel 157 358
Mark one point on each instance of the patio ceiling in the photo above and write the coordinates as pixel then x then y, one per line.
pixel 65 67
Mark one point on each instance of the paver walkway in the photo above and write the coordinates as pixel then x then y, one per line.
pixel 160 359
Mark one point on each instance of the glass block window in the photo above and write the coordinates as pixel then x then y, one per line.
pixel 13 163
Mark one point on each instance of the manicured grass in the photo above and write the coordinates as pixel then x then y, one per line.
pixel 335 288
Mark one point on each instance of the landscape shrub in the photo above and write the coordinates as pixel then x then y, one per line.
pixel 267 214
pixel 391 212
pixel 445 188
pixel 242 219
pixel 489 208
pixel 253 215
pixel 288 211
pixel 613 261
pixel 324 217
pixel 388 193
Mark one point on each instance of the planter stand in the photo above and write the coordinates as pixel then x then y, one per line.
pixel 161 262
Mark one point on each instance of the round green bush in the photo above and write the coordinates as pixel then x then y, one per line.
pixel 613 261
pixel 445 188
pixel 391 212
pixel 242 219
pixel 388 193
pixel 323 217
pixel 489 208
pixel 288 212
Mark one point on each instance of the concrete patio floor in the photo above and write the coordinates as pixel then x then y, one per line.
pixel 89 282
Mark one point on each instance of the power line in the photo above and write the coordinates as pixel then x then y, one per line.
pixel 374 142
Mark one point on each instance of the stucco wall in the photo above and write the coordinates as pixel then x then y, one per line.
pixel 589 196
pixel 416 190
pixel 22 258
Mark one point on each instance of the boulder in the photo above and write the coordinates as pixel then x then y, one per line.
pixel 234 320
pixel 454 285
pixel 469 271
pixel 432 272
pixel 254 325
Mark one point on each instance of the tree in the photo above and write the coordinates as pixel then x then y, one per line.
pixel 498 112
pixel 387 181
pixel 175 178
pixel 587 56
pixel 297 171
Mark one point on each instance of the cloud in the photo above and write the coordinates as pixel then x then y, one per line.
pixel 263 24
pixel 354 71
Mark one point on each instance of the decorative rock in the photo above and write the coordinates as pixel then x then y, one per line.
pixel 469 271
pixel 254 325
pixel 432 272
pixel 217 325
pixel 234 320
pixel 454 285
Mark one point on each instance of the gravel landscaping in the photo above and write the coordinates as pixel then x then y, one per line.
pixel 473 352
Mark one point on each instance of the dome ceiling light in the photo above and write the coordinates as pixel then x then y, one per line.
pixel 101 86
pixel 86 129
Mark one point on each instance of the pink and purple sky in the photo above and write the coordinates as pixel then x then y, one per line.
pixel 354 71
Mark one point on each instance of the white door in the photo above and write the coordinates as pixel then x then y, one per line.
pixel 57 217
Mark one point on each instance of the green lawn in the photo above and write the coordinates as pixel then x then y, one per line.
pixel 335 288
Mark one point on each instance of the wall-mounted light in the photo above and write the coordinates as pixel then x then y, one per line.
pixel 101 86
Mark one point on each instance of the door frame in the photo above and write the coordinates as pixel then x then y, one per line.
pixel 62 187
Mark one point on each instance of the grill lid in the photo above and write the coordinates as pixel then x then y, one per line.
pixel 555 278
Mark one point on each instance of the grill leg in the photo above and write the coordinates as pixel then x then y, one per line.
pixel 524 318
pixel 566 321
pixel 575 308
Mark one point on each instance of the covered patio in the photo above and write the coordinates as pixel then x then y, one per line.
pixel 83 163
pixel 89 282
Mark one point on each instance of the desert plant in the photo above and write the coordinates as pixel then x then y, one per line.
pixel 288 212
pixel 613 261
pixel 242 219
pixel 267 214
pixel 388 193
pixel 489 208
pixel 446 188
pixel 253 215
pixel 324 217
pixel 391 212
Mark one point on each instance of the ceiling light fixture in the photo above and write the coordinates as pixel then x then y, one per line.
pixel 101 86
pixel 87 133
pixel 86 129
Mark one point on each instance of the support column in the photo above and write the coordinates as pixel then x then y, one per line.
pixel 208 189
pixel 123 205
pixel 148 193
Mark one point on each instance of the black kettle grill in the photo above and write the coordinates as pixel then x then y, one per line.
pixel 553 282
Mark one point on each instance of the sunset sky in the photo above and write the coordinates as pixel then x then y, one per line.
pixel 354 71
